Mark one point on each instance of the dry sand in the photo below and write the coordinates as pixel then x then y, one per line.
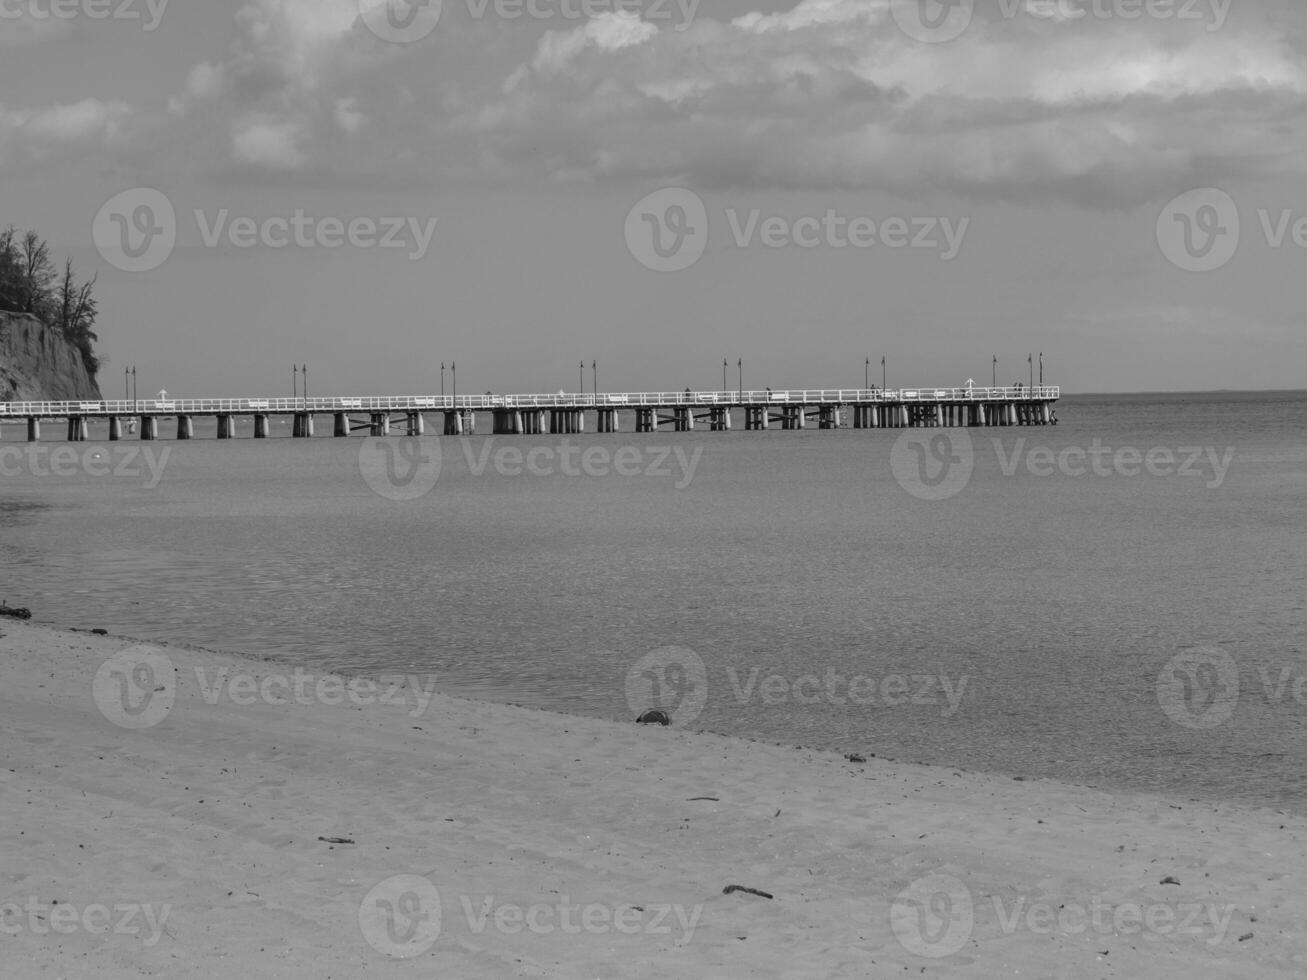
pixel 192 848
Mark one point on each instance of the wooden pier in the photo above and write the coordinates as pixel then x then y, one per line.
pixel 867 408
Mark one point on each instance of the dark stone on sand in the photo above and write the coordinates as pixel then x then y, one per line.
pixel 654 717
pixel 750 891
pixel 15 612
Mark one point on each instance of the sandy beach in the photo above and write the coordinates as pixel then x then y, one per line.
pixel 173 812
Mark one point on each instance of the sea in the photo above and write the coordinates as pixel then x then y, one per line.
pixel 1119 600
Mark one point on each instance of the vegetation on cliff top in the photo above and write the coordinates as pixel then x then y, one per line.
pixel 31 283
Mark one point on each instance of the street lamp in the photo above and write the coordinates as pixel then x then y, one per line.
pixel 1041 369
pixel 304 369
pixel 580 373
pixel 442 379
pixel 866 374
pixel 993 381
pixel 724 374
pixel 294 381
pixel 741 367
pixel 453 377
pixel 594 370
pixel 882 372
pixel 1030 359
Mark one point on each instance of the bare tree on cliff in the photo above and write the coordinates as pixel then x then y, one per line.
pixel 9 275
pixel 76 314
pixel 30 284
pixel 36 274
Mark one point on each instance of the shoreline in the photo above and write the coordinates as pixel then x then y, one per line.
pixel 553 841
pixel 469 694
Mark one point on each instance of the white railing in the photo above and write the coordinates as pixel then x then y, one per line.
pixel 435 403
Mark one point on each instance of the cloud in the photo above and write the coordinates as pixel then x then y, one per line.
pixel 268 143
pixel 832 93
pixel 50 133
pixel 828 93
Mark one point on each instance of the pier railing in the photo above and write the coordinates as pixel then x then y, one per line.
pixel 490 402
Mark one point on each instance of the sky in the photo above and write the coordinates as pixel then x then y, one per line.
pixel 653 187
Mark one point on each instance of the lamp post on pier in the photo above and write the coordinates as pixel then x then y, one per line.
pixel 723 374
pixel 1041 369
pixel 993 381
pixel 453 377
pixel 594 370
pixel 442 379
pixel 1030 359
pixel 741 367
pixel 304 370
pixel 294 381
pixel 882 372
pixel 866 374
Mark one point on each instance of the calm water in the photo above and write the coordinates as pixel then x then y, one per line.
pixel 1056 600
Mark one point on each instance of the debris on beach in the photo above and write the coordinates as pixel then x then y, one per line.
pixel 654 717
pixel 751 891
pixel 692 799
pixel 855 757
pixel 1169 880
pixel 15 612
pixel 335 840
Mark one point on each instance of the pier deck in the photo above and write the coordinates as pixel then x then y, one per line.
pixel 565 412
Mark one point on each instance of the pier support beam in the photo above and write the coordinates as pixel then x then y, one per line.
pixel 454 423
pixel 149 428
pixel 185 427
pixel 33 429
pixel 720 420
pixel 646 420
pixel 226 427
pixel 380 424
pixel 115 428
pixel 302 427
pixel 260 426
pixel 416 425
pixel 606 420
pixel 340 426
pixel 77 426
pixel 506 422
